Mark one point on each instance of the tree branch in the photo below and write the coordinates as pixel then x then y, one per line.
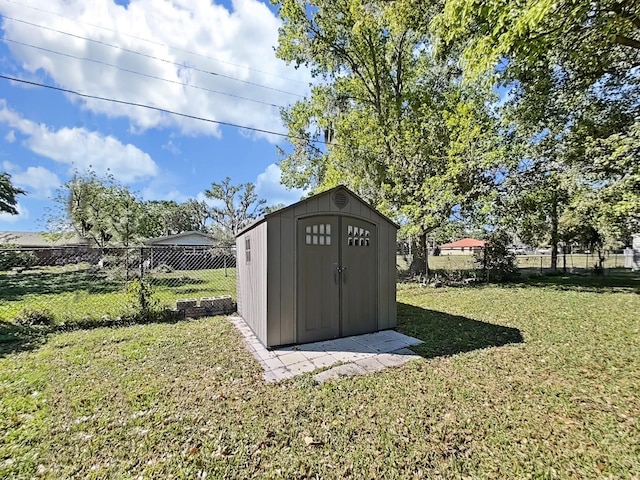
pixel 627 41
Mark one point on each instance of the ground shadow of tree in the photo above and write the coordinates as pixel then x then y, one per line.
pixel 15 286
pixel 16 338
pixel 445 334
pixel 173 282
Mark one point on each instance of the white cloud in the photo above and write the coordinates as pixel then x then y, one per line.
pixel 10 137
pixel 212 202
pixel 241 39
pixel 9 167
pixel 23 214
pixel 82 149
pixel 269 186
pixel 38 181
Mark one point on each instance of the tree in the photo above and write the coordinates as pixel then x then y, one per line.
pixel 274 208
pixel 235 205
pixel 571 71
pixel 8 194
pixel 589 40
pixel 167 217
pixel 99 209
pixel 396 124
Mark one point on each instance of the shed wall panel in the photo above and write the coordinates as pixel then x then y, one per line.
pixel 383 277
pixel 274 262
pixel 252 280
pixel 287 318
pixel 312 205
pixel 392 275
pixel 300 209
pixel 324 203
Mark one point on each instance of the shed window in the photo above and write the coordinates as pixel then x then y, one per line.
pixel 358 237
pixel 247 249
pixel 318 234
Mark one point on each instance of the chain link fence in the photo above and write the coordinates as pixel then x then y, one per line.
pixel 540 264
pixel 69 284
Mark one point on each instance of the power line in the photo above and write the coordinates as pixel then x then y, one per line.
pixel 100 62
pixel 158 43
pixel 158 109
pixel 208 72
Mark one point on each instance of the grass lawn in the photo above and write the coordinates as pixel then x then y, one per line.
pixel 74 292
pixel 523 381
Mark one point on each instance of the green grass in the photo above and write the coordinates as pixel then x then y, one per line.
pixel 72 293
pixel 519 381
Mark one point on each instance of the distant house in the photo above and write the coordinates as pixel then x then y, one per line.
pixel 466 246
pixel 51 248
pixel 189 251
pixel 184 238
pixel 34 240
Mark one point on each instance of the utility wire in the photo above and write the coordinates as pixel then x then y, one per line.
pixel 158 109
pixel 158 43
pixel 148 56
pixel 100 62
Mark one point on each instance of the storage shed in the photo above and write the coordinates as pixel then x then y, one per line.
pixel 322 268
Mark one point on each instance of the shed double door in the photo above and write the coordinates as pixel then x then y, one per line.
pixel 337 281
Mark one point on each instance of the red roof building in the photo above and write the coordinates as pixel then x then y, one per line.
pixel 466 246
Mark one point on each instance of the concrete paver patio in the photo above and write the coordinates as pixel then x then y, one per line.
pixel 355 355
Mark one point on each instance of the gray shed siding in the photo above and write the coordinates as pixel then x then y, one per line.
pixel 273 317
pixel 252 280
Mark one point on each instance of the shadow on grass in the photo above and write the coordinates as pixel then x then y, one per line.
pixel 613 280
pixel 173 282
pixel 17 338
pixel 445 334
pixel 15 286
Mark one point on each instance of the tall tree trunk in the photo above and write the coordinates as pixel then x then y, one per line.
pixel 554 231
pixel 420 262
pixel 426 257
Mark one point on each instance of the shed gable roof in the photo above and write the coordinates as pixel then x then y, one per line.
pixel 329 192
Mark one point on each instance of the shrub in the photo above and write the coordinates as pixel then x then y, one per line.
pixel 12 257
pixel 142 302
pixel 497 261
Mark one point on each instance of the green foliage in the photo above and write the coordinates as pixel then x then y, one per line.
pixel 570 70
pixel 107 212
pixel 8 194
pixel 496 261
pixel 398 126
pixel 35 316
pixel 587 39
pixel 98 208
pixel 142 299
pixel 11 257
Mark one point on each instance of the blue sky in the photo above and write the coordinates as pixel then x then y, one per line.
pixel 182 51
